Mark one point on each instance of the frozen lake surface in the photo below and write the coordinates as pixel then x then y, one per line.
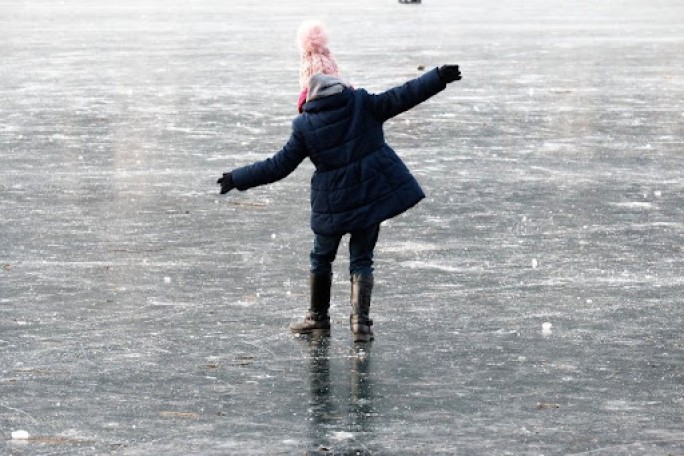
pixel 531 305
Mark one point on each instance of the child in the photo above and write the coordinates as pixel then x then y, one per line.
pixel 359 181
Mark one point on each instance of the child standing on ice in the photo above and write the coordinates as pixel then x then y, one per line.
pixel 358 183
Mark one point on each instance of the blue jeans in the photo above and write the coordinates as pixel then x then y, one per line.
pixel 361 246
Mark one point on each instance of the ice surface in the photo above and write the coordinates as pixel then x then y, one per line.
pixel 142 313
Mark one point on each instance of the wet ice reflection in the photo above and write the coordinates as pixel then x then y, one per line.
pixel 341 415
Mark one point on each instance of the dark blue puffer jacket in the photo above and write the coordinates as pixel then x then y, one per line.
pixel 359 180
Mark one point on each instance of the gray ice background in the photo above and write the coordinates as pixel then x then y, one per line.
pixel 141 313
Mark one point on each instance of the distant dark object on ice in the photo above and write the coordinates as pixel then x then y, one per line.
pixel 409 1
pixel 421 67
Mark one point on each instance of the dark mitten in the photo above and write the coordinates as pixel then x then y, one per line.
pixel 226 183
pixel 449 73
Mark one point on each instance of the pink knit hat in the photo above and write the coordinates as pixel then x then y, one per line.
pixel 312 39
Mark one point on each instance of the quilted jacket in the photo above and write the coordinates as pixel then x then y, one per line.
pixel 359 180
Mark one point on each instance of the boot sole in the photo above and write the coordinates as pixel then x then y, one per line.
pixel 363 337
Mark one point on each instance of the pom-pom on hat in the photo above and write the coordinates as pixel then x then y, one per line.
pixel 312 39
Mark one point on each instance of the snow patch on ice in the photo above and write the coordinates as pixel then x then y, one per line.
pixel 291 442
pixel 341 436
pixel 20 435
pixel 157 302
pixel 553 147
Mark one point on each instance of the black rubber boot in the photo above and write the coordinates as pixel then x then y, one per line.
pixel 359 322
pixel 317 319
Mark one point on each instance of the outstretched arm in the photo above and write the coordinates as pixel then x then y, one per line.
pixel 404 97
pixel 266 171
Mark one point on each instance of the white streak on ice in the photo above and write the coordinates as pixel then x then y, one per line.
pixel 635 205
pixel 410 246
pixel 425 265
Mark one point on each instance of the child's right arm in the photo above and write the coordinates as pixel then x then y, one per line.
pixel 272 169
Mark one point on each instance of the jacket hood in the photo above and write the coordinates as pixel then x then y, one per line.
pixel 322 85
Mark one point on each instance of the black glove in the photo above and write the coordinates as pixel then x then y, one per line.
pixel 226 183
pixel 449 73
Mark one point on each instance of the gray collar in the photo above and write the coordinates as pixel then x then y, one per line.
pixel 322 85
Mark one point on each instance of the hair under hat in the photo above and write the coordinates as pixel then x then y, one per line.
pixel 312 39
